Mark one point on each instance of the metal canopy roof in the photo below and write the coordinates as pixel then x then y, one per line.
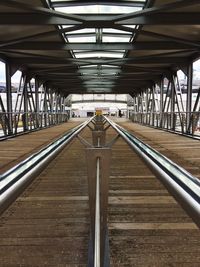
pixel 99 46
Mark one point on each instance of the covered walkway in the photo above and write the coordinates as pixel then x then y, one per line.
pixel 100 191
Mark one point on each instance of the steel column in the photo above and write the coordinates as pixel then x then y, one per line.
pixel 189 97
pixel 161 101
pixel 9 98
pixel 37 108
pixel 25 114
pixel 172 106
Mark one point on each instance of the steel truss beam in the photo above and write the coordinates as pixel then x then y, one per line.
pixel 176 18
pixel 103 61
pixel 162 107
pixel 98 47
pixel 33 109
pixel 40 10
pixel 153 10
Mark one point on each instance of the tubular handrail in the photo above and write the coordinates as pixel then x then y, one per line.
pixel 97 236
pixel 17 178
pixel 180 183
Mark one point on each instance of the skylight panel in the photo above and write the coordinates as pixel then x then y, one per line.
pixel 91 51
pixel 99 55
pixel 110 66
pixel 88 30
pixel 111 39
pixel 98 9
pixel 89 39
pixel 110 30
pixel 66 26
pixel 88 66
pixel 130 26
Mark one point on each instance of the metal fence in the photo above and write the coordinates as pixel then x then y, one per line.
pixel 16 122
pixel 173 121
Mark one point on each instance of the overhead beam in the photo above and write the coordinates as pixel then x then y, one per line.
pixel 72 61
pixel 175 18
pixel 97 47
pixel 34 19
pixel 85 77
pixel 39 35
pixel 156 9
pixel 160 36
pixel 41 10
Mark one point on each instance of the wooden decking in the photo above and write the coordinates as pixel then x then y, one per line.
pixel 146 225
pixel 16 149
pixel 49 223
pixel 182 150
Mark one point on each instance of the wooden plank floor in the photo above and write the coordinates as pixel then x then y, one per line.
pixel 16 149
pixel 182 150
pixel 49 224
pixel 146 225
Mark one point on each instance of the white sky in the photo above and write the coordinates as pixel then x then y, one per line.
pixel 15 77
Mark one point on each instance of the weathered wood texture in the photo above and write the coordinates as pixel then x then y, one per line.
pixel 182 150
pixel 146 225
pixel 16 149
pixel 49 224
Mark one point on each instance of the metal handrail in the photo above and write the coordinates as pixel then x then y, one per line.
pixel 181 184
pixel 97 236
pixel 14 181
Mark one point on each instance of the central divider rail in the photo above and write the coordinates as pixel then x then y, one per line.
pixel 98 165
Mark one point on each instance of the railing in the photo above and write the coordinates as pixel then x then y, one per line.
pixel 181 184
pixel 171 121
pixel 17 122
pixel 97 237
pixel 13 182
pixel 98 165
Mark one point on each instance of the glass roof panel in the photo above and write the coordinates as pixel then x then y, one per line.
pixel 99 55
pixel 89 39
pixel 130 26
pixel 66 26
pixel 91 30
pixel 88 66
pixel 110 66
pixel 111 39
pixel 98 9
pixel 110 51
pixel 110 30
